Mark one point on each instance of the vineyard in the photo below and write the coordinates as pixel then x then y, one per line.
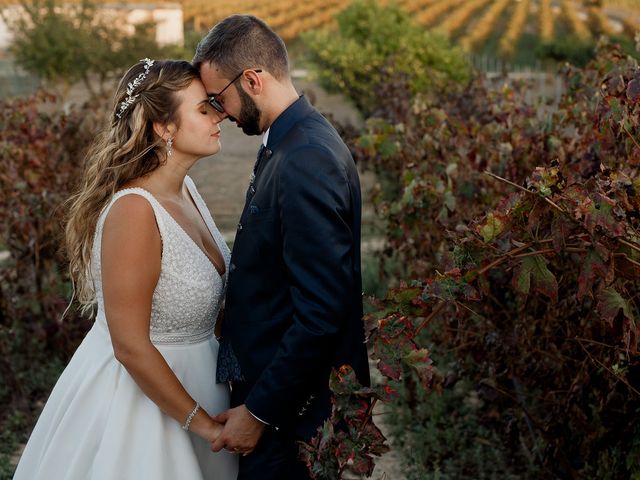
pixel 507 25
pixel 470 22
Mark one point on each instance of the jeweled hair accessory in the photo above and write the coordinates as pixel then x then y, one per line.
pixel 136 82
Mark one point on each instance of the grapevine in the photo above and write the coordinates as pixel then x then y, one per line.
pixel 509 41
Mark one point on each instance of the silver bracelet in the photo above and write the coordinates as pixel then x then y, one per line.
pixel 187 422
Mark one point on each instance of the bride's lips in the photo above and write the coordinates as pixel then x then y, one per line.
pixel 216 134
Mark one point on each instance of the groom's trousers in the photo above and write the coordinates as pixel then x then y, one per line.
pixel 275 458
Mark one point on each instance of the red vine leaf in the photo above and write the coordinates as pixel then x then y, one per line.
pixel 560 231
pixel 633 89
pixel 594 266
pixel 600 213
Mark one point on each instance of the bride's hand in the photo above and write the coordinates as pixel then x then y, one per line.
pixel 206 427
pixel 213 431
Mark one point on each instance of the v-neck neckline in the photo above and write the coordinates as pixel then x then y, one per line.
pixel 206 224
pixel 193 242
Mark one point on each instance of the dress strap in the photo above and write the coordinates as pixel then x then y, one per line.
pixel 157 208
pixel 210 222
pixel 200 204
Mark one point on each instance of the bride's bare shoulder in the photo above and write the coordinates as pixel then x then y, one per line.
pixel 131 218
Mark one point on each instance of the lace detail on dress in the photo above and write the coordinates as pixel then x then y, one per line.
pixel 190 291
pixel 181 338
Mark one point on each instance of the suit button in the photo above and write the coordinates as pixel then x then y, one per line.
pixel 232 267
pixel 239 227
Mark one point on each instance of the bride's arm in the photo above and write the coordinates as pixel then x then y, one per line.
pixel 131 251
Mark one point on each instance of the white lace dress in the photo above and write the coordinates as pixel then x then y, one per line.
pixel 97 423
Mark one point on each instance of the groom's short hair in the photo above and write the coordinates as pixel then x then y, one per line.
pixel 243 41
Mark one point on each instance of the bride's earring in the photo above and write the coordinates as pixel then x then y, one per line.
pixel 169 147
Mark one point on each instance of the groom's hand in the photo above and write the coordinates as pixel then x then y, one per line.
pixel 241 431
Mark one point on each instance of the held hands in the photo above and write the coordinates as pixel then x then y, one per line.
pixel 206 427
pixel 241 431
pixel 213 431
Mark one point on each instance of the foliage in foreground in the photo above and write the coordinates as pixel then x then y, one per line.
pixel 40 152
pixel 521 234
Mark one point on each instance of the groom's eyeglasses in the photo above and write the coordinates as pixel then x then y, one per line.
pixel 213 99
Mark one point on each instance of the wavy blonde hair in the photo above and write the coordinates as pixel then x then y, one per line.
pixel 126 149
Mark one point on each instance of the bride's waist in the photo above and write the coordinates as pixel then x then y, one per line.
pixel 165 337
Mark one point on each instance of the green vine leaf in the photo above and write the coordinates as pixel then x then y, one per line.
pixel 492 228
pixel 533 272
pixel 610 303
pixel 420 362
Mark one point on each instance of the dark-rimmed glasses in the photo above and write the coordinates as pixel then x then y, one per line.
pixel 213 100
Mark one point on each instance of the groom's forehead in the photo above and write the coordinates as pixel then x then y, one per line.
pixel 212 77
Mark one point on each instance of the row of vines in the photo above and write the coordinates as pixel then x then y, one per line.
pixel 470 21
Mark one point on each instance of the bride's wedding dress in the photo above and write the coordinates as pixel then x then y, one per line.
pixel 97 423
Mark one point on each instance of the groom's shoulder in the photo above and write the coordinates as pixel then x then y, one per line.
pixel 314 132
pixel 311 141
pixel 313 150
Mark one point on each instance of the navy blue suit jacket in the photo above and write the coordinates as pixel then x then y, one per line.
pixel 294 297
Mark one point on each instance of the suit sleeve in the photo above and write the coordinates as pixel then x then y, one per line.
pixel 318 251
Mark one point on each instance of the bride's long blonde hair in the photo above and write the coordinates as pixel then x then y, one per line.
pixel 126 149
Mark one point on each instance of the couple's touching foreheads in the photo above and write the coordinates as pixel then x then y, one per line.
pixel 204 363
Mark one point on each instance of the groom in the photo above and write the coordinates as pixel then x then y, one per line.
pixel 294 304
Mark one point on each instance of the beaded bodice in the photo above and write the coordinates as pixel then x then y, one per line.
pixel 190 291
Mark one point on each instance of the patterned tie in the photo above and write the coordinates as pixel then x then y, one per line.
pixel 260 150
pixel 251 190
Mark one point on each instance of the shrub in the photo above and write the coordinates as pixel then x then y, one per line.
pixel 40 153
pixel 577 51
pixel 372 45
pixel 529 275
pixel 65 44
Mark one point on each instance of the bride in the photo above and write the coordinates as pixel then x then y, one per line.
pixel 136 398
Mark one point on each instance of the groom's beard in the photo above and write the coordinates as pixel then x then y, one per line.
pixel 249 118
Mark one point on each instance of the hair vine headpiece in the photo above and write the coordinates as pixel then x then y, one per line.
pixel 131 86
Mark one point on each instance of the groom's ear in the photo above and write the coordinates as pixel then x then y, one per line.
pixel 254 81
